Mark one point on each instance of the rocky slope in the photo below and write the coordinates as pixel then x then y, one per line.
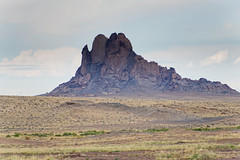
pixel 112 67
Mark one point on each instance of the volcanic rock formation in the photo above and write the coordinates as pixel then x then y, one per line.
pixel 112 67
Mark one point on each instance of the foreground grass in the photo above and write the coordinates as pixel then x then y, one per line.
pixel 190 151
pixel 82 133
pixel 215 129
pixel 163 144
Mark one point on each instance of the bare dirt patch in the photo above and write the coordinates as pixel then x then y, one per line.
pixel 11 141
pixel 125 155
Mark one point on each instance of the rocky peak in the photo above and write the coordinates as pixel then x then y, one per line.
pixel 112 67
pixel 86 61
pixel 118 43
pixel 98 52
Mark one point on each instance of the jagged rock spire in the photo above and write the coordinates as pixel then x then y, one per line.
pixel 112 67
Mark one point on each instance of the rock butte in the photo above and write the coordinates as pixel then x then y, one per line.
pixel 113 68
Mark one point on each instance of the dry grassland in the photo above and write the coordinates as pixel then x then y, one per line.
pixel 114 128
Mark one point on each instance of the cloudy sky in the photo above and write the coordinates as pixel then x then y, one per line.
pixel 41 40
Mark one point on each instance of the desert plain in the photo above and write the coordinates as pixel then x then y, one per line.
pixel 89 128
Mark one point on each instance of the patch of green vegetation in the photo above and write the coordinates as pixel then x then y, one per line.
pixel 194 156
pixel 69 134
pixel 201 129
pixel 58 135
pixel 219 147
pixel 17 134
pixel 2 146
pixel 153 130
pixel 92 132
pixel 209 129
pixel 169 156
pixel 201 157
pixel 129 131
pixel 8 136
pixel 214 129
pixel 41 134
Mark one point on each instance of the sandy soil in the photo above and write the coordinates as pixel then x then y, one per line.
pixel 125 122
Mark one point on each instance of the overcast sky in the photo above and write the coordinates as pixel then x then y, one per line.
pixel 41 40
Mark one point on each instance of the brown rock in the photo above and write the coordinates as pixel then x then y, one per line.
pixel 98 52
pixel 112 67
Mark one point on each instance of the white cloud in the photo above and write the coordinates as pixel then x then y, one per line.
pixel 10 91
pixel 234 83
pixel 228 26
pixel 57 62
pixel 190 64
pixel 237 61
pixel 73 16
pixel 217 58
pixel 169 56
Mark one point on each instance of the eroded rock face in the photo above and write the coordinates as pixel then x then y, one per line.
pixel 113 67
pixel 98 53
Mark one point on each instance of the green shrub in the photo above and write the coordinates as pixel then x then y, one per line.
pixel 200 129
pixel 42 134
pixel 153 130
pixel 207 129
pixel 35 134
pixel 92 132
pixel 58 135
pixel 8 136
pixel 69 134
pixel 16 134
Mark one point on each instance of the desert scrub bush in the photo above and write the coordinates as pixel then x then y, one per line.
pixel 92 132
pixel 39 134
pixel 42 134
pixel 215 129
pixel 207 129
pixel 153 130
pixel 27 138
pixel 17 134
pixel 201 129
pixel 58 135
pixel 129 131
pixel 69 134
pixel 8 136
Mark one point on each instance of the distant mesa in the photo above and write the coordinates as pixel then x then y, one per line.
pixel 113 68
